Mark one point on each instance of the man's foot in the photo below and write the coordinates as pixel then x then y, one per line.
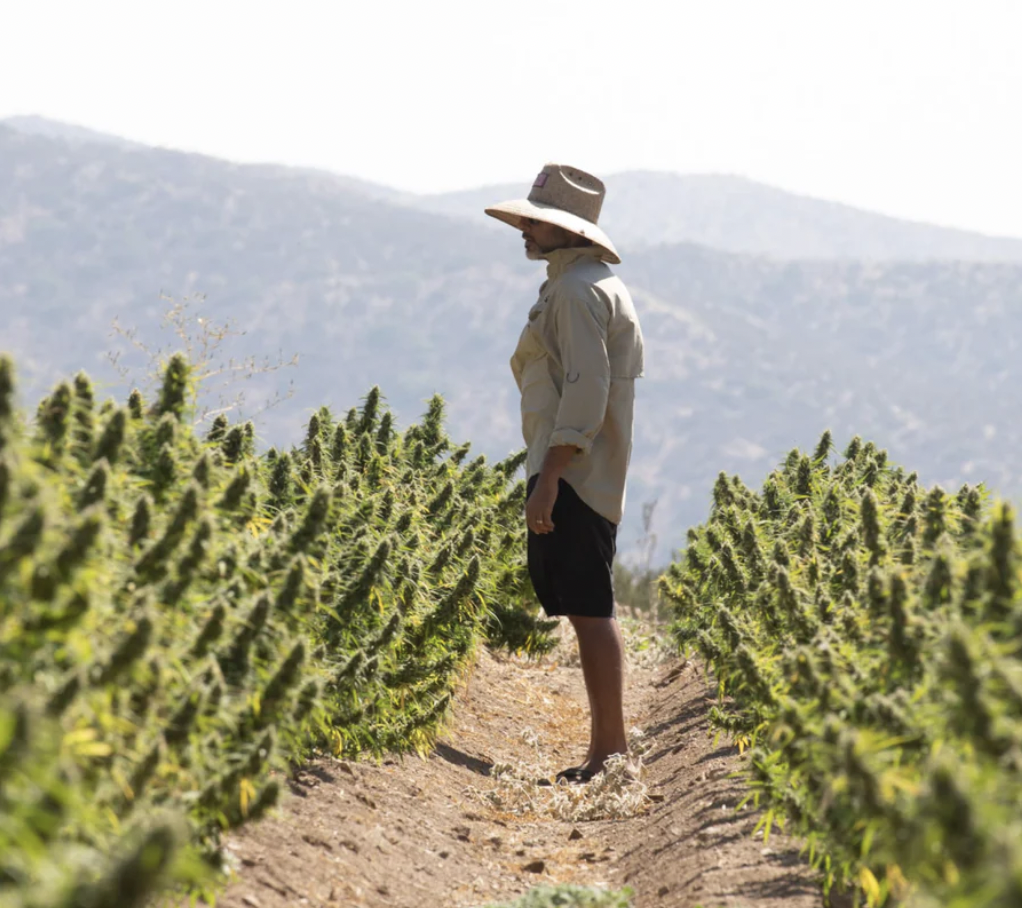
pixel 597 765
pixel 575 775
pixel 571 774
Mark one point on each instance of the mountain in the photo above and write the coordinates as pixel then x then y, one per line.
pixel 734 214
pixel 747 356
pixel 67 132
pixel 643 208
pixel 78 135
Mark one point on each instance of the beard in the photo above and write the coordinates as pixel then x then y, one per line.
pixel 534 252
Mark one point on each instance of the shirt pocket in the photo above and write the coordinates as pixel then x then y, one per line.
pixel 539 308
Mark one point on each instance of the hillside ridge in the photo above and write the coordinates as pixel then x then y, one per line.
pixel 729 212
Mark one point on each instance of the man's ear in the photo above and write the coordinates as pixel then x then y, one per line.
pixel 566 239
pixel 576 241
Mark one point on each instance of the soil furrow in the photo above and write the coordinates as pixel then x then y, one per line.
pixel 413 832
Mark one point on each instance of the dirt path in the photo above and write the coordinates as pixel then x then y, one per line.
pixel 420 832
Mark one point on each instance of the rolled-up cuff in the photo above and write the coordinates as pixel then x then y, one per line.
pixel 571 437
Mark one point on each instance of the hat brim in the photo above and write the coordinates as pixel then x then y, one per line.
pixel 514 211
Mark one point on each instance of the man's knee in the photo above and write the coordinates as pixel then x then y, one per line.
pixel 585 624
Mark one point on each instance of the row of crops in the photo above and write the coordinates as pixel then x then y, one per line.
pixel 865 634
pixel 183 619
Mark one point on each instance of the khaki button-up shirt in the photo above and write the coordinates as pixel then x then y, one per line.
pixel 575 365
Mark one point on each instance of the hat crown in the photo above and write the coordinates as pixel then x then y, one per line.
pixel 569 189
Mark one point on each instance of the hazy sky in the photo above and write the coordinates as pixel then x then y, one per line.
pixel 910 107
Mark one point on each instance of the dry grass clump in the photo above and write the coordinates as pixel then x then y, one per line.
pixel 614 794
pixel 523 788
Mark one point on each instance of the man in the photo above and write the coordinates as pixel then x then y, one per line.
pixel 576 365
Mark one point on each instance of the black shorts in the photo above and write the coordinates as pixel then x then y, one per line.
pixel 572 568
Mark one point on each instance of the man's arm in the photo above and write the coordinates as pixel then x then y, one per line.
pixel 581 322
pixel 540 506
pixel 581 325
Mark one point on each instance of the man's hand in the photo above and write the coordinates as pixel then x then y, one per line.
pixel 539 508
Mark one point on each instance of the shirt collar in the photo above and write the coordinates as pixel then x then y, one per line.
pixel 561 260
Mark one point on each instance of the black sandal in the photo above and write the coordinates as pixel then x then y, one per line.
pixel 576 775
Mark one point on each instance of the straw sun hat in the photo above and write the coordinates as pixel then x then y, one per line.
pixel 567 197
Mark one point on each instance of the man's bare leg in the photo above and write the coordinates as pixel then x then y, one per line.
pixel 592 707
pixel 601 650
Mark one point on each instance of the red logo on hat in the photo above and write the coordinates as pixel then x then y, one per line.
pixel 540 181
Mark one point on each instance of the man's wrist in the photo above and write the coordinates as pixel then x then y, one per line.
pixel 547 478
pixel 556 460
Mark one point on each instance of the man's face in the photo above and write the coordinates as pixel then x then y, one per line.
pixel 541 238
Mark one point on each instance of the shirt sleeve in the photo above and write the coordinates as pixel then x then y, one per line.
pixel 581 322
